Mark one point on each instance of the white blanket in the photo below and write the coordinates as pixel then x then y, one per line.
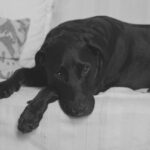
pixel 120 121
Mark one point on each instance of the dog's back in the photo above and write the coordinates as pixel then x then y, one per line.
pixel 135 71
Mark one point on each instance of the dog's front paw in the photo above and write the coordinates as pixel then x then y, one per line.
pixel 29 120
pixel 6 89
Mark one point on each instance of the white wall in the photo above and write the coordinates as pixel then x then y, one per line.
pixel 135 11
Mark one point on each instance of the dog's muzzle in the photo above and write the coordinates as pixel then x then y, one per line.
pixel 78 107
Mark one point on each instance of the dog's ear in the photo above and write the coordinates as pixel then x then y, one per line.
pixel 98 46
pixel 40 57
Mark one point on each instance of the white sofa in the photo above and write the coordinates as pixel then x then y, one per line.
pixel 120 121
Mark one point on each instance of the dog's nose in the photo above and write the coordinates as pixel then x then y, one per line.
pixel 78 107
pixel 75 113
pixel 79 111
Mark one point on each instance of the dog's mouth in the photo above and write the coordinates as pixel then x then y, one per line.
pixel 78 108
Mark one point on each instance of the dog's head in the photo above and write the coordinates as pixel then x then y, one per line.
pixel 73 64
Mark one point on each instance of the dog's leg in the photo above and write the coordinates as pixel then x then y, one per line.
pixel 24 76
pixel 33 113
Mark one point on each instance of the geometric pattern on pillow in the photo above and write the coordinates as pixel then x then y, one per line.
pixel 7 67
pixel 13 34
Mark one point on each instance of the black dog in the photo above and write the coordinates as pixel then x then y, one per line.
pixel 79 59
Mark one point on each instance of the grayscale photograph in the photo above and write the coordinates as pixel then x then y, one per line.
pixel 74 75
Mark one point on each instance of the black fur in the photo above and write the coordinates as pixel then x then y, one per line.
pixel 79 59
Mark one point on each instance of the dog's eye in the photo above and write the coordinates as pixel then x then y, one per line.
pixel 61 75
pixel 82 69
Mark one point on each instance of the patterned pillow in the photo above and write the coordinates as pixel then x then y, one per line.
pixel 13 34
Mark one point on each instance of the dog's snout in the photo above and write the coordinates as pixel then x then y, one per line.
pixel 78 107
